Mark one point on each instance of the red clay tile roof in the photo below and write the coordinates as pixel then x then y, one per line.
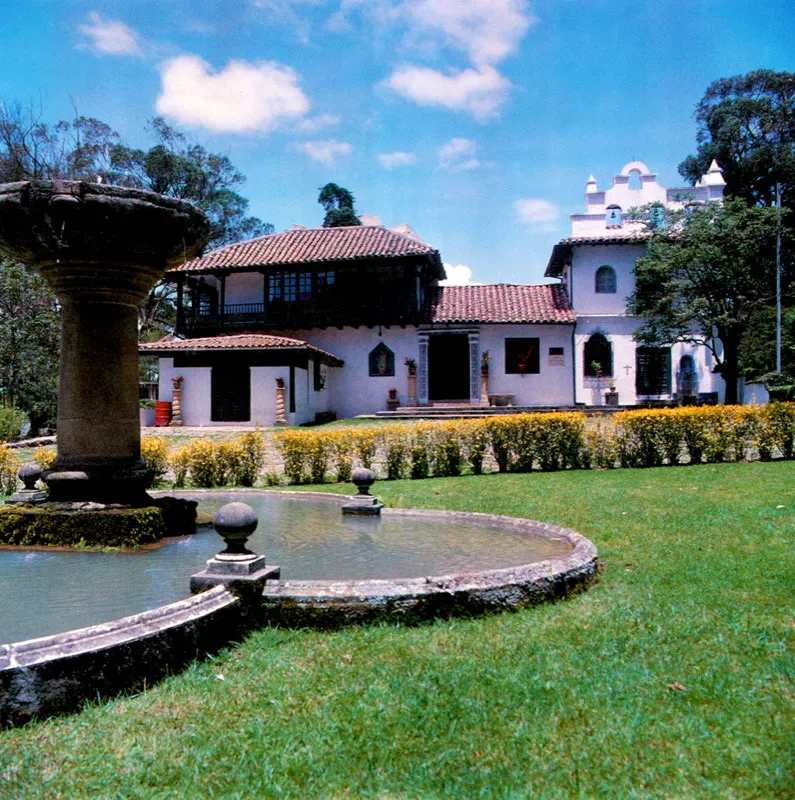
pixel 502 302
pixel 242 341
pixel 313 245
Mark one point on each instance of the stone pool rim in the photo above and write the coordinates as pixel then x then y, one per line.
pixel 57 673
pixel 333 603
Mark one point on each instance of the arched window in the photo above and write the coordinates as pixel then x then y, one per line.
pixel 613 218
pixel 687 378
pixel 598 357
pixel 382 361
pixel 634 181
pixel 605 280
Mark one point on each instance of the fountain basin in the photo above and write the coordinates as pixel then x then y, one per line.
pixel 101 248
pixel 85 661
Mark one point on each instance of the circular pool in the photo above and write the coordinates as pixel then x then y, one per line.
pixel 45 592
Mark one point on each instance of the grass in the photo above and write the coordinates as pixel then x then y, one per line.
pixel 669 679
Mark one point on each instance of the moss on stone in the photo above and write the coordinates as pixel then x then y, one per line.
pixel 26 525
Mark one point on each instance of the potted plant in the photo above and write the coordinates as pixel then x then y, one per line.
pixel 485 358
pixel 611 398
pixel 146 413
pixel 411 364
pixel 393 394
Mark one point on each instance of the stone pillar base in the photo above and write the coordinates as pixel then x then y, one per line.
pixel 108 482
pixel 364 505
pixel 412 401
pixel 484 389
pixel 244 577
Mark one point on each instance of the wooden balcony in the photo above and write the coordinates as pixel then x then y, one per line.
pixel 295 315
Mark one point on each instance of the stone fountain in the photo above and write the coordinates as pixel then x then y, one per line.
pixel 101 248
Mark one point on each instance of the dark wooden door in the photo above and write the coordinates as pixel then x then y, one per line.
pixel 231 394
pixel 448 367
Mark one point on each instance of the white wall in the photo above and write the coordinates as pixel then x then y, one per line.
pixel 244 287
pixel 196 391
pixel 552 386
pixel 586 260
pixel 619 332
pixel 197 394
pixel 351 390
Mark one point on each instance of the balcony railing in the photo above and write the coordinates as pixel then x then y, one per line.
pixel 298 314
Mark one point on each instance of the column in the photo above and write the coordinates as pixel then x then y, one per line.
pixel 474 368
pixel 422 369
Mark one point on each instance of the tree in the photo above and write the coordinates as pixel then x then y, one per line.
pixel 88 149
pixel 747 123
pixel 338 203
pixel 178 168
pixel 28 344
pixel 704 278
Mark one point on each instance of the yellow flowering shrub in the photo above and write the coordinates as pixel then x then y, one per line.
pixel 251 458
pixel 154 452
pixel 365 442
pixel 44 457
pixel 445 448
pixel 396 443
pixel 9 466
pixel 293 446
pixel 179 461
pixel 476 443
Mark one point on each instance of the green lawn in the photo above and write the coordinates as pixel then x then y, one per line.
pixel 670 678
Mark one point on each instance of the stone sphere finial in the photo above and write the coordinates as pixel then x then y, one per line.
pixel 235 522
pixel 29 474
pixel 363 479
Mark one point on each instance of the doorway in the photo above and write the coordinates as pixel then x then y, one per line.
pixel 448 367
pixel 231 394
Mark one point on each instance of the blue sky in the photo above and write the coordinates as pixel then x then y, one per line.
pixel 477 122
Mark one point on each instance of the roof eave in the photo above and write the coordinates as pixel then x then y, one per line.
pixel 325 358
pixel 433 257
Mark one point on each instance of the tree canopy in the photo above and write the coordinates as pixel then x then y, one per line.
pixel 338 203
pixel 88 149
pixel 28 344
pixel 706 278
pixel 747 123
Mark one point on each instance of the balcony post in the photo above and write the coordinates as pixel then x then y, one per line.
pixel 221 300
pixel 180 298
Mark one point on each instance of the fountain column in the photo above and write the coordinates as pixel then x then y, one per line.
pixel 101 249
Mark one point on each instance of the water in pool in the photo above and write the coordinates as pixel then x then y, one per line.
pixel 49 592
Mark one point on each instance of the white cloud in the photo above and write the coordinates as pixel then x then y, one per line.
pixel 486 30
pixel 317 123
pixel 111 36
pixel 458 275
pixel 480 92
pixel 458 154
pixel 397 159
pixel 290 13
pixel 538 214
pixel 242 97
pixel 326 152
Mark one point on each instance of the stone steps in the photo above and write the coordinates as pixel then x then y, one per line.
pixel 449 411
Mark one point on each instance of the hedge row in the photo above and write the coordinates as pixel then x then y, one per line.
pixel 524 442
pixel 205 463
pixel 519 442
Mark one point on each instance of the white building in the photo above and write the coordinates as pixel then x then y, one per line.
pixel 333 314
pixel 595 265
